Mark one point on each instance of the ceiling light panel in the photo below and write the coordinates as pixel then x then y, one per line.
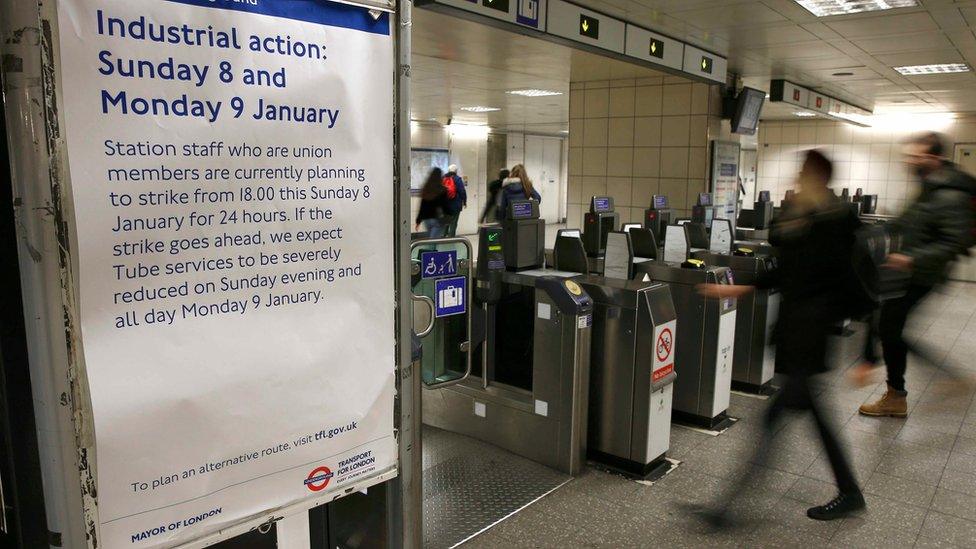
pixel 804 114
pixel 479 108
pixel 827 8
pixel 943 68
pixel 535 93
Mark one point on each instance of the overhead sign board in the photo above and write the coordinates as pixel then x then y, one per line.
pixel 654 48
pixel 787 92
pixel 525 13
pixel 585 26
pixel 704 64
pixel 235 292
pixel 818 102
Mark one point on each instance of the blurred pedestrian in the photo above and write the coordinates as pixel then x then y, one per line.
pixel 433 199
pixel 457 199
pixel 490 215
pixel 814 235
pixel 934 231
pixel 518 186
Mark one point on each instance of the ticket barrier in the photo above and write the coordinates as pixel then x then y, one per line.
pixel 658 216
pixel 528 385
pixel 631 367
pixel 704 352
pixel 753 363
pixel 598 222
pixel 704 210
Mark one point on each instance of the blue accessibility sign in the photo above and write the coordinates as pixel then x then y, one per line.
pixel 438 264
pixel 450 296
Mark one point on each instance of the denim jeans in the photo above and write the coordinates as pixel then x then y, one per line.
pixel 434 228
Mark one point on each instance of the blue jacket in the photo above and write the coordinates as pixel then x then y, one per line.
pixel 513 190
pixel 460 200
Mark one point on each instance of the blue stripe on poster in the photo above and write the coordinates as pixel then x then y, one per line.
pixel 322 12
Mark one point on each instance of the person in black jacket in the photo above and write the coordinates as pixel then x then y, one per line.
pixel 815 236
pixel 517 187
pixel 934 230
pixel 490 214
pixel 433 199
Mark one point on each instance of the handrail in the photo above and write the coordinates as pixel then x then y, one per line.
pixel 465 346
pixel 430 304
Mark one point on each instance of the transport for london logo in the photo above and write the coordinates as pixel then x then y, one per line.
pixel 318 479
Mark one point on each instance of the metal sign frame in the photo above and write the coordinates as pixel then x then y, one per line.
pixel 44 209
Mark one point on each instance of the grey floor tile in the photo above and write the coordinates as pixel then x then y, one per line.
pixel 965 445
pixel 941 528
pixel 859 532
pixel 893 514
pixel 926 436
pixel 956 504
pixel 961 462
pixel 792 515
pixel 924 470
pixel 811 491
pixel 959 481
pixel 924 542
pixel 899 489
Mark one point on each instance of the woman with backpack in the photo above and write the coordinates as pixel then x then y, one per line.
pixel 433 200
pixel 815 235
pixel 518 186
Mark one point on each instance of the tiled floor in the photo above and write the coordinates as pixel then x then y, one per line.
pixel 918 474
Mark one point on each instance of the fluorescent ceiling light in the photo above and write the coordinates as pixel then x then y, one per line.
pixel 826 8
pixel 804 114
pixel 535 93
pixel 479 108
pixel 943 68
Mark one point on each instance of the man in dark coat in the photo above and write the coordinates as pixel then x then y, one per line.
pixel 935 230
pixel 815 236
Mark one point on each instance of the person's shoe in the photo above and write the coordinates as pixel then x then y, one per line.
pixel 841 506
pixel 893 403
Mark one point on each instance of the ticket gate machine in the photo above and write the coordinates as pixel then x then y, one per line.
pixel 705 351
pixel 528 387
pixel 631 366
pixel 704 211
pixel 598 223
pixel 753 363
pixel 658 216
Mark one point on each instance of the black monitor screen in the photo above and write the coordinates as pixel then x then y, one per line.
pixel 764 196
pixel 747 110
pixel 660 201
pixel 704 199
pixel 522 210
pixel 602 204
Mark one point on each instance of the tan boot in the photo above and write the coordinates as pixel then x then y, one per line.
pixel 893 403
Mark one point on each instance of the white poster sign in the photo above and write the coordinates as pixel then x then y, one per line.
pixel 720 241
pixel 231 169
pixel 725 179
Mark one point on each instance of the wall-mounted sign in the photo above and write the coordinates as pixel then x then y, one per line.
pixel 784 91
pixel 589 27
pixel 704 64
pixel 524 13
pixel 585 26
pixel 787 92
pixel 654 48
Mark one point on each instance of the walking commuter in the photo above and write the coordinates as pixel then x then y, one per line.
pixel 518 186
pixel 490 215
pixel 457 199
pixel 815 235
pixel 433 200
pixel 934 231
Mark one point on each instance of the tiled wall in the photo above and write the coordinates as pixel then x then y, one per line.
pixel 866 158
pixel 632 139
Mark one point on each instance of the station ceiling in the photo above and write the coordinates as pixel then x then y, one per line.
pixel 458 63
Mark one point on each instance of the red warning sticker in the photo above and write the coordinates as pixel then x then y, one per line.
pixel 665 342
pixel 662 373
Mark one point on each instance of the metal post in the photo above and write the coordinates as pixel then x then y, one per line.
pixel 407 519
pixel 25 44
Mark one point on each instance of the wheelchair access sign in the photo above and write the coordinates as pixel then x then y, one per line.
pixel 438 264
pixel 450 296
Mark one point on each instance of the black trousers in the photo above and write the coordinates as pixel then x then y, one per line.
pixel 891 328
pixel 795 396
